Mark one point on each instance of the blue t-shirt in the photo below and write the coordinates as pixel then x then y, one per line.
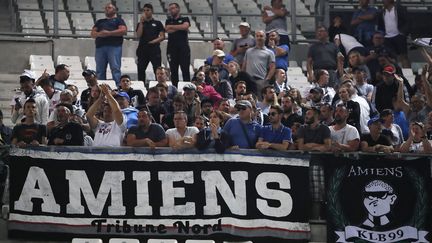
pixel 276 136
pixel 228 58
pixel 234 128
pixel 110 25
pixel 131 114
pixel 281 61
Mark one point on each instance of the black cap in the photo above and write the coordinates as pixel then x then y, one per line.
pixel 316 90
pixel 88 72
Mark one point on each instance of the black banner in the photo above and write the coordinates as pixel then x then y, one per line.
pixel 130 192
pixel 376 199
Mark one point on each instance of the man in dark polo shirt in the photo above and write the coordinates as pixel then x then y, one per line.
pixel 109 34
pixel 178 51
pixel 146 133
pixel 150 33
pixel 323 55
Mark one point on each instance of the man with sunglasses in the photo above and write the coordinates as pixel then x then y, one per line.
pixel 243 130
pixel 275 136
pixel 378 200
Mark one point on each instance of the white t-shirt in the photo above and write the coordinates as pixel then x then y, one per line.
pixel 173 133
pixel 109 134
pixel 348 42
pixel 342 136
pixel 390 22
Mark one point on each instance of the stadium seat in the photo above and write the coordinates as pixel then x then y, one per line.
pixel 294 71
pixel 86 240
pixel 199 241
pixel 153 83
pixel 121 240
pixel 180 85
pixel 161 241
pixel 110 83
pixel 237 241
pixel 139 85
pixel 198 63
pixel 299 82
pixel 79 83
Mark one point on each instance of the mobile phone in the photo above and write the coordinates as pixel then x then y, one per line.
pixel 17 102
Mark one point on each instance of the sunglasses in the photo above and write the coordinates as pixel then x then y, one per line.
pixel 273 113
pixel 372 195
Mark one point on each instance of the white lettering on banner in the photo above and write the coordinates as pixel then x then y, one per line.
pixel 393 171
pixel 37 185
pixel 111 185
pixel 214 181
pixel 36 177
pixel 169 193
pixel 396 235
pixel 142 179
pixel 285 199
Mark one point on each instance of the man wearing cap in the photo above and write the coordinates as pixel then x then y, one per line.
pixel 259 62
pixel 130 112
pixel 192 102
pixel 146 133
pixel 240 45
pixel 375 141
pixel 91 79
pixel 136 96
pixel 218 62
pixel 65 132
pixel 108 34
pixel 315 97
pixel 29 90
pixel 178 51
pixel 219 44
pixel 150 33
pixel 109 131
pixel 222 86
pixel 243 130
pixel 387 90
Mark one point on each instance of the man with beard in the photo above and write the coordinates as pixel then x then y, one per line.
pixel 65 132
pixel 315 98
pixel 275 136
pixel 154 107
pixel 222 86
pixel 313 136
pixel 289 116
pixel 204 90
pixel 326 115
pixel 146 133
pixel 388 89
pixel 91 79
pixel 345 138
pixel 269 98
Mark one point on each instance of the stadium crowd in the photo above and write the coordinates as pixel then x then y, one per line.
pixel 358 98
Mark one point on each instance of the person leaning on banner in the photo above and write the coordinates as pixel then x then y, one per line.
pixel 375 141
pixel 110 130
pixel 213 135
pixel 417 141
pixel 344 136
pixel 182 136
pixel 146 133
pixel 275 136
pixel 244 131
pixel 65 131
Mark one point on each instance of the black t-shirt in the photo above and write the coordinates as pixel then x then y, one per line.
pixel 110 25
pixel 136 95
pixel 316 135
pixel 289 121
pixel 151 30
pixel 28 133
pixel 85 96
pixel 71 133
pixel 382 139
pixel 155 132
pixel 179 37
pixel 156 111
pixel 57 85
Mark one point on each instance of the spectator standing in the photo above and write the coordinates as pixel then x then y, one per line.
pixel 109 34
pixel 237 75
pixel 345 138
pixel 240 45
pixel 5 132
pixel 109 131
pixel 393 21
pixel 280 50
pixel 259 62
pixel 178 51
pixel 387 90
pixel 65 131
pixel 275 136
pixel 374 51
pixel 58 79
pixel 146 133
pixel 274 17
pixel 30 91
pixel 337 27
pixel 323 55
pixel 222 86
pixel 91 79
pixel 182 136
pixel 150 33
pixel 243 130
pixel 364 22
pixel 162 77
pixel 219 44
pixel 29 132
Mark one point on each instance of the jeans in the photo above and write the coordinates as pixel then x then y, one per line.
pixel 111 55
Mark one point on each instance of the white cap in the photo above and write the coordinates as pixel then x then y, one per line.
pixel 29 74
pixel 218 53
pixel 245 24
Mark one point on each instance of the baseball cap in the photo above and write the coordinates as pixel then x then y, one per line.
pixel 389 69
pixel 373 120
pixel 218 53
pixel 189 86
pixel 245 24
pixel 123 94
pixel 29 74
pixel 88 72
pixel 316 90
pixel 244 103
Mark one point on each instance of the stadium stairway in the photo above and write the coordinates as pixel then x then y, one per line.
pixel 8 84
